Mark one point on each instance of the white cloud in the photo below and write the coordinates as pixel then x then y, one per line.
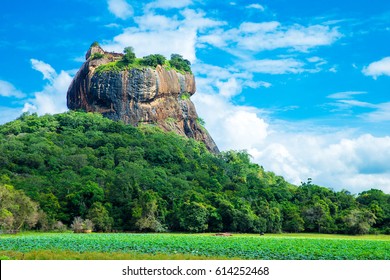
pixel 274 66
pixel 52 99
pixel 260 36
pixel 256 6
pixel 277 158
pixel 232 127
pixel 345 94
pixel 381 114
pixel 378 68
pixel 47 71
pixel 112 25
pixel 9 114
pixel 160 34
pixel 199 20
pixel 29 108
pixel 152 22
pixel 315 59
pixel 215 39
pixel 229 88
pixel 168 4
pixel 8 90
pixel 258 27
pixel 165 42
pixel 332 158
pixel 120 8
pixel 225 81
pixel 357 103
pixel 335 159
pixel 255 84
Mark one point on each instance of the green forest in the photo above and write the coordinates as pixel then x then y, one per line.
pixel 55 168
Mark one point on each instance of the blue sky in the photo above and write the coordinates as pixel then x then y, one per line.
pixel 303 85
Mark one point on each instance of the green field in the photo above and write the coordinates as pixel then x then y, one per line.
pixel 193 246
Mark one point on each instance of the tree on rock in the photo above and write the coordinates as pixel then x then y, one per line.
pixel 177 61
pixel 153 60
pixel 129 56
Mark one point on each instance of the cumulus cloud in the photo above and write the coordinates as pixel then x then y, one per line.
pixel 229 88
pixel 120 8
pixel 332 158
pixel 225 81
pixel 335 159
pixel 52 99
pixel 378 68
pixel 160 34
pixel 232 127
pixel 8 90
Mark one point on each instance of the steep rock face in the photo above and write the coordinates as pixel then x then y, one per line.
pixel 155 96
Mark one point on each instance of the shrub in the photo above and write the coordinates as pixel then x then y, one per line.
pixel 185 96
pixel 177 61
pixel 79 225
pixel 97 56
pixel 59 227
pixel 88 225
pixel 153 60
pixel 200 121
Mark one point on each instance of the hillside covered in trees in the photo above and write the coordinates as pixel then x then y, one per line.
pixel 124 178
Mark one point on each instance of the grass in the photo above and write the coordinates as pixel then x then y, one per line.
pixel 185 96
pixel 119 65
pixel 71 255
pixel 193 246
pixel 170 120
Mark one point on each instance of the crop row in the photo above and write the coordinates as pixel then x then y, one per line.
pixel 243 247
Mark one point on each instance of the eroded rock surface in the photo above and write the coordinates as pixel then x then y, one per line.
pixel 156 96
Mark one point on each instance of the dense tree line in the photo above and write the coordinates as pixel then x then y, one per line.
pixel 124 178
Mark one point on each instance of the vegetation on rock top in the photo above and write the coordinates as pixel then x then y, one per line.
pixel 130 61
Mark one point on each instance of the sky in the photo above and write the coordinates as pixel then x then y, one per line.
pixel 303 86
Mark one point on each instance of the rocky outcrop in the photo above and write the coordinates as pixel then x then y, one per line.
pixel 154 96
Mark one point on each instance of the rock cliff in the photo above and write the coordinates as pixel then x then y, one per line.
pixel 146 95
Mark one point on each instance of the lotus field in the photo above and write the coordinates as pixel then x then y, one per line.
pixel 198 246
